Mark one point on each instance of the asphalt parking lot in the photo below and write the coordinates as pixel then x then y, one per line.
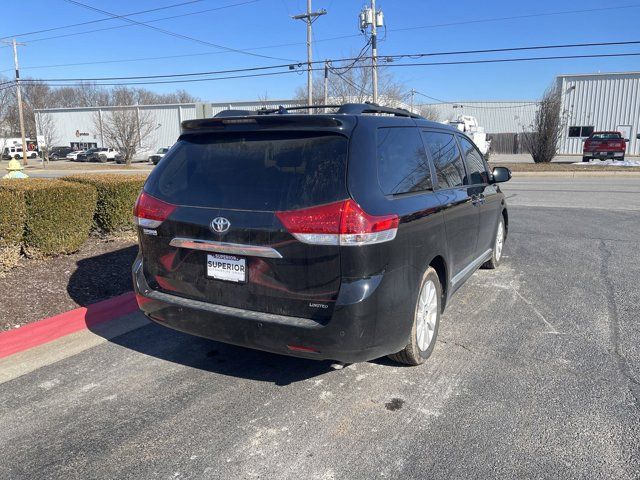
pixel 536 375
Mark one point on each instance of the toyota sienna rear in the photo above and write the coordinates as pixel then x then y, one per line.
pixel 273 232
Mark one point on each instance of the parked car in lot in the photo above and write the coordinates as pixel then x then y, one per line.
pixel 99 154
pixel 332 236
pixel 156 157
pixel 73 156
pixel 58 153
pixel 604 146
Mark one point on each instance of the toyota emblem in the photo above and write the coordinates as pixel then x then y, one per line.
pixel 220 224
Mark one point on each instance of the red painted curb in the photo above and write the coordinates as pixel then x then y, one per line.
pixel 48 329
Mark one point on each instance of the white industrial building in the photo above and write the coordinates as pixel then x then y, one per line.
pixel 82 127
pixel 601 101
pixel 607 101
pixel 494 116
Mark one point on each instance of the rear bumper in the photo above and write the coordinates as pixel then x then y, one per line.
pixel 603 155
pixel 353 334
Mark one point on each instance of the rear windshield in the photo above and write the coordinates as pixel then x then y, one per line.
pixel 606 136
pixel 253 171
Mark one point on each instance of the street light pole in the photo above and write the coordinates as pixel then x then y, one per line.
pixel 309 18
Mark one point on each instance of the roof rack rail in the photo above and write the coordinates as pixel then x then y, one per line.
pixel 368 107
pixel 233 113
pixel 284 110
pixel 347 108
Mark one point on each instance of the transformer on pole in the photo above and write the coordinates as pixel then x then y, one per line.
pixel 370 17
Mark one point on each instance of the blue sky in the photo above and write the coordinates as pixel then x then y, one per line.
pixel 267 23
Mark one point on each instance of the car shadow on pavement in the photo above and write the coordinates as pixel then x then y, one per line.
pixel 102 276
pixel 219 358
pixel 107 275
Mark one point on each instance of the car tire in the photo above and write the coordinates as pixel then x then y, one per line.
pixel 16 157
pixel 585 159
pixel 498 246
pixel 426 321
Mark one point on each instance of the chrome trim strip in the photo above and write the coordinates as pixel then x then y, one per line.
pixel 225 247
pixel 472 266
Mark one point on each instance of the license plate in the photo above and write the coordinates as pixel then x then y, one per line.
pixel 227 267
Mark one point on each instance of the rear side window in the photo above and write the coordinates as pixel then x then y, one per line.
pixel 253 171
pixel 476 170
pixel 403 166
pixel 446 159
pixel 606 136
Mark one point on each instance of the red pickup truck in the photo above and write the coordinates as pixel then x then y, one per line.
pixel 604 145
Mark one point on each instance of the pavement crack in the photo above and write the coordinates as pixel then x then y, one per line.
pixel 614 323
pixel 552 329
pixel 456 344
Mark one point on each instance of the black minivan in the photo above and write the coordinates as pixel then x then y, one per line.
pixel 336 236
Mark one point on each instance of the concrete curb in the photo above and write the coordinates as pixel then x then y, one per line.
pixel 635 174
pixel 52 328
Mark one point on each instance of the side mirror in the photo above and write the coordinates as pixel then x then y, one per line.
pixel 501 174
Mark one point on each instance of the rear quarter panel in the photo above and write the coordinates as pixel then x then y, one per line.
pixel 419 240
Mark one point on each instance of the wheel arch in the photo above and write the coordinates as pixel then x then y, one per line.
pixel 505 215
pixel 439 264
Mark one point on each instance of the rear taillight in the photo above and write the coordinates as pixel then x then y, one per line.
pixel 339 223
pixel 150 212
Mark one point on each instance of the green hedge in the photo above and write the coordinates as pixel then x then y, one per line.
pixel 57 214
pixel 13 212
pixel 116 198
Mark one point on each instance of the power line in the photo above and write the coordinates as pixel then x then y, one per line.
pixel 466 62
pixel 164 57
pixel 521 59
pixel 168 32
pixel 72 34
pixel 515 17
pixel 463 104
pixel 100 20
pixel 361 57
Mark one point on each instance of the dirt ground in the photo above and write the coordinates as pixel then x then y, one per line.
pixel 37 289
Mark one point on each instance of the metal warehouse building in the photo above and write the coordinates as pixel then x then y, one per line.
pixel 607 101
pixel 81 127
pixel 603 101
pixel 496 117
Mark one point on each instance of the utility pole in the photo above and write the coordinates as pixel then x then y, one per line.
pixel 19 97
pixel 326 83
pixel 413 93
pixel 309 18
pixel 370 17
pixel 374 52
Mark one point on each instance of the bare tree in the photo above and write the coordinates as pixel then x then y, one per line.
pixel 46 127
pixel 430 113
pixel 542 137
pixel 125 129
pixel 354 85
